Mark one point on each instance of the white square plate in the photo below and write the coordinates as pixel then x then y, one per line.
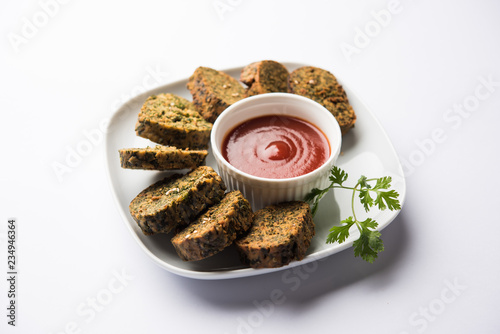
pixel 366 150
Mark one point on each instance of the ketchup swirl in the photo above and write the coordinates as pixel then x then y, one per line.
pixel 276 147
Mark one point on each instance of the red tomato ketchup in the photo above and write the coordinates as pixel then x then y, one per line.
pixel 276 147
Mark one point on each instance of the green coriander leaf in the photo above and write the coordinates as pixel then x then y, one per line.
pixel 366 199
pixel 338 175
pixel 383 183
pixel 388 199
pixel 340 233
pixel 363 182
pixel 368 245
pixel 313 193
pixel 369 223
pixel 314 196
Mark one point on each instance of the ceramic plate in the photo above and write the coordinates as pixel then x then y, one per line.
pixel 366 150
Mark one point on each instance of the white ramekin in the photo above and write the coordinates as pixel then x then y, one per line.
pixel 260 191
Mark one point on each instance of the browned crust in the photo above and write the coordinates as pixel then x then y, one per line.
pixel 280 234
pixel 213 91
pixel 216 229
pixel 176 200
pixel 343 112
pixel 171 120
pixel 249 73
pixel 161 158
pixel 322 87
pixel 266 76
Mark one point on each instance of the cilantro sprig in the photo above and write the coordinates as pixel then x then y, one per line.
pixel 369 243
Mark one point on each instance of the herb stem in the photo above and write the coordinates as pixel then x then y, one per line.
pixel 354 189
pixel 352 202
pixel 343 187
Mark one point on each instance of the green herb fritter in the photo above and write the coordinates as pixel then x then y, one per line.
pixel 171 120
pixel 161 158
pixel 265 76
pixel 176 200
pixel 279 234
pixel 216 229
pixel 322 86
pixel 213 91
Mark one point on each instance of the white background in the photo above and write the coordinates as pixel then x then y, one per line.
pixel 62 79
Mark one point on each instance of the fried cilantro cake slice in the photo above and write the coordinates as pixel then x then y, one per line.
pixel 176 200
pixel 216 229
pixel 342 111
pixel 279 234
pixel 171 120
pixel 266 76
pixel 213 91
pixel 322 86
pixel 161 158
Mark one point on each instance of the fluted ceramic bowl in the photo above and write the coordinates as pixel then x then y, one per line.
pixel 262 191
